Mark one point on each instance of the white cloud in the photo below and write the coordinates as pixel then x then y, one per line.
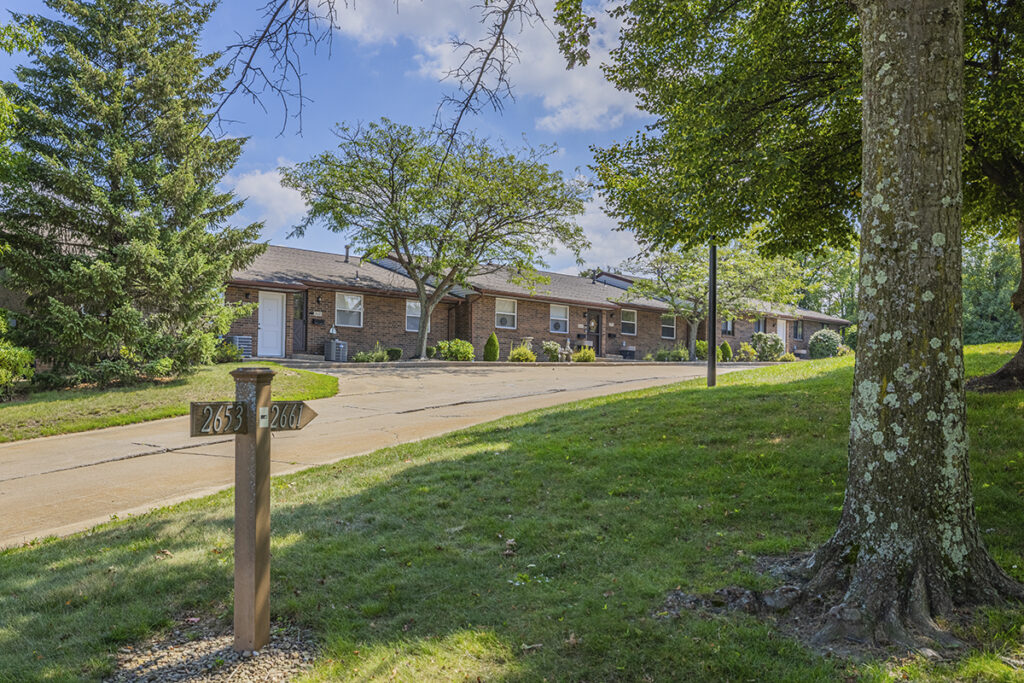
pixel 576 100
pixel 609 247
pixel 280 207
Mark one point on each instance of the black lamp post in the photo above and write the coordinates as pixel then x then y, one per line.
pixel 712 328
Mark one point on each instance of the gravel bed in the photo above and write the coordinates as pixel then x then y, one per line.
pixel 199 649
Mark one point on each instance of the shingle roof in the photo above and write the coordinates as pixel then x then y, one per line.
pixel 301 268
pixel 562 288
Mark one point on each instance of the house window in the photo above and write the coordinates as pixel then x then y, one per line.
pixel 348 310
pixel 798 329
pixel 412 317
pixel 728 327
pixel 668 327
pixel 505 314
pixel 761 325
pixel 559 319
pixel 628 322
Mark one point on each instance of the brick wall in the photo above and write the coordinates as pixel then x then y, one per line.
pixel 533 320
pixel 648 337
pixel 249 325
pixel 383 321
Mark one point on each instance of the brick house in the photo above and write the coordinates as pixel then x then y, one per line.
pixel 793 325
pixel 303 298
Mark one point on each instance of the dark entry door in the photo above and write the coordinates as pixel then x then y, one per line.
pixel 594 330
pixel 299 322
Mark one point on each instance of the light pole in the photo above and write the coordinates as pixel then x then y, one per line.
pixel 712 326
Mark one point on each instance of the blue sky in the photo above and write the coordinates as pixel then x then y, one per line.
pixel 387 60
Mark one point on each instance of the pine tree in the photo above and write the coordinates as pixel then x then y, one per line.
pixel 118 234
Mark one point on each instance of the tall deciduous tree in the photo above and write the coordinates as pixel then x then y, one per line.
pixel 443 210
pixel 908 548
pixel 991 274
pixel 747 282
pixel 117 230
pixel 779 84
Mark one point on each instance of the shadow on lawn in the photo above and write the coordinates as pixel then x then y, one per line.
pixel 538 546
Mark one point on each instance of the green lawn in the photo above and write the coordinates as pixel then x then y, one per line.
pixel 78 410
pixel 402 561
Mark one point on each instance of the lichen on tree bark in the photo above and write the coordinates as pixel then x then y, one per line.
pixel 908 549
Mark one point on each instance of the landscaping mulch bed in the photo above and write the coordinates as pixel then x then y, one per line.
pixel 200 649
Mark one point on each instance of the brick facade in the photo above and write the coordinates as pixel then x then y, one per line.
pixel 744 330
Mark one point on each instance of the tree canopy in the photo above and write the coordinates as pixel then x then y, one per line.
pixel 444 211
pixel 118 233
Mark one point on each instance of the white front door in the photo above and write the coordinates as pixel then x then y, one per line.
pixel 780 328
pixel 271 325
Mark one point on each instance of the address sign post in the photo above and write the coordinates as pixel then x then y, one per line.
pixel 251 417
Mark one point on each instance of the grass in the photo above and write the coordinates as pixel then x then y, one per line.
pixel 77 410
pixel 535 547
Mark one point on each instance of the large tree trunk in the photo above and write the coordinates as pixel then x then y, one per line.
pixel 691 339
pixel 1011 375
pixel 908 547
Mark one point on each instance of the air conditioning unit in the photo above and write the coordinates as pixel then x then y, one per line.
pixel 242 342
pixel 505 321
pixel 558 326
pixel 336 351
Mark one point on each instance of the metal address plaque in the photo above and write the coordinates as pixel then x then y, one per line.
pixel 218 417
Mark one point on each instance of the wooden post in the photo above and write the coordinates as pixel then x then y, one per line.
pixel 252 511
pixel 712 334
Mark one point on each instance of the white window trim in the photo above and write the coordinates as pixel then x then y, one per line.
pixel 552 318
pixel 515 314
pixel 362 303
pixel 635 321
pixel 663 326
pixel 420 316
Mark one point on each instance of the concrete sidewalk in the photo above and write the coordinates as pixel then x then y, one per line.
pixel 62 484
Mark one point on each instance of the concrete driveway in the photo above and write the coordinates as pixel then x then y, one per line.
pixel 62 484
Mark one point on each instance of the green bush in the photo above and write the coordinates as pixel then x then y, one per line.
pixel 378 355
pixel 491 349
pixel 662 355
pixel 15 363
pixel 226 352
pixel 455 349
pixel 649 357
pixel 162 367
pixel 850 336
pixel 522 354
pixel 431 351
pixel 679 354
pixel 824 343
pixel 746 353
pixel 787 358
pixel 551 349
pixel 702 349
pixel 768 347
pixel 584 355
pixel 394 353
pixel 725 352
pixel 844 350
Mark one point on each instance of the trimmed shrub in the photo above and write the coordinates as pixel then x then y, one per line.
pixel 551 349
pixel 226 352
pixel 431 351
pixel 746 353
pixel 787 358
pixel 662 355
pixel 844 350
pixel 725 352
pixel 584 355
pixel 394 353
pixel 679 354
pixel 455 349
pixel 491 349
pixel 824 343
pixel 702 349
pixel 768 347
pixel 649 357
pixel 521 354
pixel 377 355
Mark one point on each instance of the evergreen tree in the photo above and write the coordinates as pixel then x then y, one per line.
pixel 118 234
